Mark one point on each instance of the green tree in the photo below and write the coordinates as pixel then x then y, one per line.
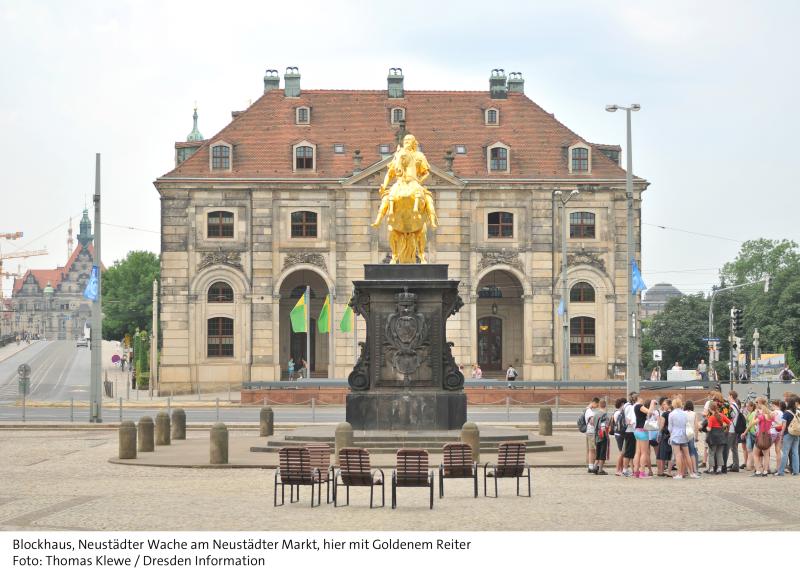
pixel 759 257
pixel 678 331
pixel 128 294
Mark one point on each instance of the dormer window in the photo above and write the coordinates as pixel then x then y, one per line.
pixel 580 158
pixel 338 148
pixel 303 115
pixel 221 157
pixel 492 117
pixel 498 158
pixel 384 149
pixel 304 156
pixel 460 149
pixel 398 115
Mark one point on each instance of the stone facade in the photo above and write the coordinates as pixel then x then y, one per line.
pixel 510 284
pixel 50 303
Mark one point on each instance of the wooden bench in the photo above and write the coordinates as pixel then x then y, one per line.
pixel 510 464
pixel 295 469
pixel 411 472
pixel 457 462
pixel 321 460
pixel 355 470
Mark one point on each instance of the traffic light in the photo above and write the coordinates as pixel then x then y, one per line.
pixel 736 320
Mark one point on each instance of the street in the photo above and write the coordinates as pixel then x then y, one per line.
pixel 59 371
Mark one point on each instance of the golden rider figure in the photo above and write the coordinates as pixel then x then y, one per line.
pixel 407 205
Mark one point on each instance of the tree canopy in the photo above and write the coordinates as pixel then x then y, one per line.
pixel 128 294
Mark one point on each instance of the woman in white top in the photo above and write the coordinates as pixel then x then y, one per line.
pixel 692 433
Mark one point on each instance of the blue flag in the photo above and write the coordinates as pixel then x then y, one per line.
pixel 561 310
pixel 91 287
pixel 637 284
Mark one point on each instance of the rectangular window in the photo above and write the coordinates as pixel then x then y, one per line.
pixel 581 225
pixel 384 149
pixel 491 116
pixel 304 224
pixel 338 148
pixel 302 115
pixel 580 160
pixel 220 224
pixel 501 225
pixel 220 337
pixel 498 160
pixel 581 336
pixel 220 157
pixel 461 149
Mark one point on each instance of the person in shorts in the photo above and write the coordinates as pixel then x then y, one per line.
pixel 677 438
pixel 589 416
pixel 619 433
pixel 602 427
pixel 630 440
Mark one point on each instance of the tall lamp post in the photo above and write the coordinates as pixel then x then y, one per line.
pixel 563 198
pixel 632 369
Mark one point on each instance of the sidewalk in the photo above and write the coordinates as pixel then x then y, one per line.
pixel 9 350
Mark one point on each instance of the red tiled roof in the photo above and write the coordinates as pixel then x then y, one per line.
pixel 54 276
pixel 263 135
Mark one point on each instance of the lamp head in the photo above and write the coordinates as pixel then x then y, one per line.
pixel 611 108
pixel 574 193
pixel 557 192
pixel 635 107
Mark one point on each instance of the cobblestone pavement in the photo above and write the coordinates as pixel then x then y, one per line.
pixel 63 480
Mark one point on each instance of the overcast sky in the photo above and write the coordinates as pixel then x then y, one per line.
pixel 717 82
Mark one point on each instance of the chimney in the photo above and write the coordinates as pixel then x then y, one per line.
pixel 271 80
pixel 395 81
pixel 516 83
pixel 497 84
pixel 291 82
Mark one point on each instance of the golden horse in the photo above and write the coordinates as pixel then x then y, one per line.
pixel 407 205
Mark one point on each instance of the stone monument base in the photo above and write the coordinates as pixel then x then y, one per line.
pixel 398 410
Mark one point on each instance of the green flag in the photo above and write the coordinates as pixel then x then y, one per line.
pixel 347 320
pixel 324 320
pixel 298 315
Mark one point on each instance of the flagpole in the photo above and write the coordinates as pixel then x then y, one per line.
pixel 331 334
pixel 308 331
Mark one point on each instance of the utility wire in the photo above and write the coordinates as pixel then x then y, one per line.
pixel 670 228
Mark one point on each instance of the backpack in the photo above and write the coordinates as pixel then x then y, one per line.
pixel 786 375
pixel 794 425
pixel 582 424
pixel 620 423
pixel 601 429
pixel 741 424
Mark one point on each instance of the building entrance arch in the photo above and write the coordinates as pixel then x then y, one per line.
pixel 293 344
pixel 501 322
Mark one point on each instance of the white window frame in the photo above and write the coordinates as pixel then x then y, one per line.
pixel 486 117
pixel 313 157
pixel 569 158
pixel 211 156
pixel 463 148
pixel 297 115
pixel 391 115
pixel 489 158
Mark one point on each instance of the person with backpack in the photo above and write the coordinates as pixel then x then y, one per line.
pixel 511 374
pixel 786 374
pixel 791 438
pixel 739 423
pixel 716 437
pixel 664 449
pixel 602 426
pixel 761 424
pixel 618 426
pixel 586 424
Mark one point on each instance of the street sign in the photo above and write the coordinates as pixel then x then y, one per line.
pixel 24 385
pixel 657 355
pixel 710 339
pixel 24 370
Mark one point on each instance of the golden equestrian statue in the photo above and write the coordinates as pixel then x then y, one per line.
pixel 407 205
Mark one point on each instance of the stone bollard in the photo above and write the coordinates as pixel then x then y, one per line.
pixel 178 424
pixel 545 422
pixel 162 429
pixel 127 440
pixel 267 420
pixel 219 444
pixel 146 434
pixel 344 437
pixel 472 436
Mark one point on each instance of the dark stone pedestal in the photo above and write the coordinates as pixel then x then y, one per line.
pixel 412 410
pixel 406 377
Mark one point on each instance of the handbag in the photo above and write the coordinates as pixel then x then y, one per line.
pixel 690 431
pixel 763 441
pixel 651 424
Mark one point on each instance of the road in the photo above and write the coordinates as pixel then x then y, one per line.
pixel 59 371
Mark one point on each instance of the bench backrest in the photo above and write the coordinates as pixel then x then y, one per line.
pixel 320 457
pixel 510 459
pixel 457 460
pixel 412 467
pixel 295 465
pixel 355 467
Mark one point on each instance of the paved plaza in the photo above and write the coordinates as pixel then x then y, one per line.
pixel 62 480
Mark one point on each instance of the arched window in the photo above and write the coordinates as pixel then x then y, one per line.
pixel 304 158
pixel 581 336
pixel 498 159
pixel 220 292
pixel 221 157
pixel 398 115
pixel 581 225
pixel 220 337
pixel 580 159
pixel 492 116
pixel 501 224
pixel 304 224
pixel 220 224
pixel 581 292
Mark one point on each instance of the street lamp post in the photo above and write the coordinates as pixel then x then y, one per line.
pixel 632 369
pixel 563 199
pixel 756 338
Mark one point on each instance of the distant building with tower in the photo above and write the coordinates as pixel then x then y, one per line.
pixel 283 196
pixel 49 303
pixel 655 298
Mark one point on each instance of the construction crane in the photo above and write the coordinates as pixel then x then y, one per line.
pixel 11 235
pixel 21 254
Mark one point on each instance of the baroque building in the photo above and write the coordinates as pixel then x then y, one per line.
pixel 50 303
pixel 283 197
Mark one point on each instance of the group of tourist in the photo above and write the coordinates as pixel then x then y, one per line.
pixel 671 432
